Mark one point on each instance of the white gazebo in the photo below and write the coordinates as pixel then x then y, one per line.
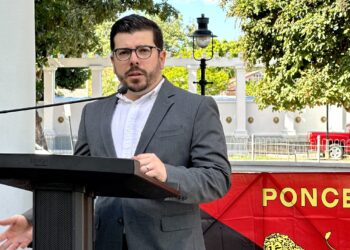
pixel 97 64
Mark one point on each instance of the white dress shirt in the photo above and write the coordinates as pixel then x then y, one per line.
pixel 129 119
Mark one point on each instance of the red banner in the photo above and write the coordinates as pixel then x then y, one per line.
pixel 279 210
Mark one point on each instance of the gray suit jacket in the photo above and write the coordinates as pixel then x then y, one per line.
pixel 185 132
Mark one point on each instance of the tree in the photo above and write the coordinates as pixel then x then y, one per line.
pixel 71 78
pixel 178 44
pixel 174 34
pixel 304 45
pixel 174 39
pixel 218 76
pixel 68 27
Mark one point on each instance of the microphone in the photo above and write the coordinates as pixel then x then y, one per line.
pixel 122 89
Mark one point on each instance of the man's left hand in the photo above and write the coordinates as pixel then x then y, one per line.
pixel 152 166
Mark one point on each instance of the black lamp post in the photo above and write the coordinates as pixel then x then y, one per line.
pixel 202 36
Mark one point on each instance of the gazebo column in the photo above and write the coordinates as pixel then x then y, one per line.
pixel 96 76
pixel 241 115
pixel 192 77
pixel 49 98
pixel 337 119
pixel 289 125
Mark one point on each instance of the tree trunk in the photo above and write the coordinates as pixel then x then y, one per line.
pixel 39 133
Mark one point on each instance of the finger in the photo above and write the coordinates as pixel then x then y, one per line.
pixel 2 237
pixel 145 162
pixel 14 246
pixel 143 156
pixel 144 169
pixel 24 245
pixel 152 173
pixel 6 222
pixel 6 244
pixel 2 243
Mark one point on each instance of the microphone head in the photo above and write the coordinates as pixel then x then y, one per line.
pixel 122 89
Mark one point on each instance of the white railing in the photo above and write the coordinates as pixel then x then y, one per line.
pixel 283 148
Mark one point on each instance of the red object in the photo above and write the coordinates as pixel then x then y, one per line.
pixel 341 139
pixel 301 208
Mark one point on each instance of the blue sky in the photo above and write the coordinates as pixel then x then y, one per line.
pixel 219 24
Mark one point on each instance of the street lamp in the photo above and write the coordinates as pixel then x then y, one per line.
pixel 202 36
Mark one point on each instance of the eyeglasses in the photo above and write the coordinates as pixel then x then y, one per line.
pixel 142 52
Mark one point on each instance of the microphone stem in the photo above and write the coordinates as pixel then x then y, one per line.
pixel 51 105
pixel 121 90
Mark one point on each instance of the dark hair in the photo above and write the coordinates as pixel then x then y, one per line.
pixel 132 23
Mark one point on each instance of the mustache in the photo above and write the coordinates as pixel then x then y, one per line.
pixel 135 68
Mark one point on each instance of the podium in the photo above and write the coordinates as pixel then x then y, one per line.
pixel 64 188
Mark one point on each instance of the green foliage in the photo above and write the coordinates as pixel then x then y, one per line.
pixel 251 88
pixel 305 47
pixel 111 80
pixel 221 48
pixel 179 44
pixel 39 90
pixel 68 27
pixel 71 78
pixel 175 36
pixel 177 75
pixel 219 78
pixel 224 47
pixel 102 32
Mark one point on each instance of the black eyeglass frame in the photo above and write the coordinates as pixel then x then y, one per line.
pixel 136 49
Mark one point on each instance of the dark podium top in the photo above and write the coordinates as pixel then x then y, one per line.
pixel 63 191
pixel 100 176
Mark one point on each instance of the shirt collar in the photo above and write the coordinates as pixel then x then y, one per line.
pixel 153 93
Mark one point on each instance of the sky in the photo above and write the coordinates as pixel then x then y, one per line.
pixel 221 26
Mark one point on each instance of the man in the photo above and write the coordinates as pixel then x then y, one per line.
pixel 176 136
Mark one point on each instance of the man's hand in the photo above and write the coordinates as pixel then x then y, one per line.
pixel 18 234
pixel 152 166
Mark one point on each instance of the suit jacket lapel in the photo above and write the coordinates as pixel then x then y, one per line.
pixel 105 128
pixel 159 110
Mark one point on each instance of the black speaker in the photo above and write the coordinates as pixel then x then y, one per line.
pixel 62 219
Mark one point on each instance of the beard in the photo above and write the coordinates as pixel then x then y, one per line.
pixel 141 84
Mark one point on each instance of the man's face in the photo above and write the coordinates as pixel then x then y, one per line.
pixel 140 75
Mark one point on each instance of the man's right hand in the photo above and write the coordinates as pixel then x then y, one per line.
pixel 18 234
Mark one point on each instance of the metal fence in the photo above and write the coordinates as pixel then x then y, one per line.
pixel 296 148
pixel 60 144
